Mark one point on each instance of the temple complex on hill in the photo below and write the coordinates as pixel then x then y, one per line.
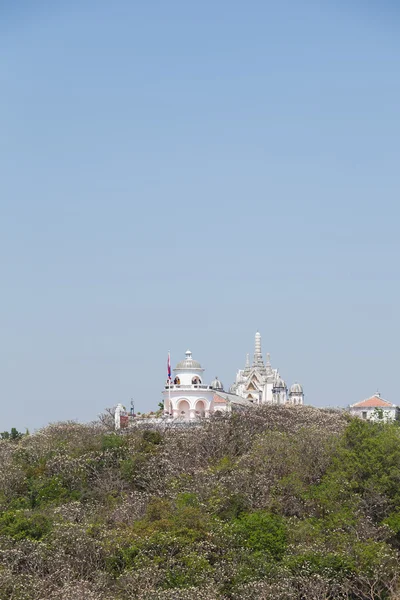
pixel 261 384
pixel 187 396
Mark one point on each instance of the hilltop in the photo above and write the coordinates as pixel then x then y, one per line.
pixel 277 503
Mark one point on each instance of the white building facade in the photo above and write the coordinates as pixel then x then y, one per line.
pixel 261 384
pixel 187 397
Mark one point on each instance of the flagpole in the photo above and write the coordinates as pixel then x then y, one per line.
pixel 169 388
pixel 169 383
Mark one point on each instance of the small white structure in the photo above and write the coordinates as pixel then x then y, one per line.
pixel 375 409
pixel 261 384
pixel 296 394
pixel 187 397
pixel 121 417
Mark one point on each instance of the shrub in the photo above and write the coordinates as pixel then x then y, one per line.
pixel 263 532
pixel 112 441
pixel 20 525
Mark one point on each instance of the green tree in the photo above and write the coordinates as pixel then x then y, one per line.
pixel 13 435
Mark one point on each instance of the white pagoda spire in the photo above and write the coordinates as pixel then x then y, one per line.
pixel 258 359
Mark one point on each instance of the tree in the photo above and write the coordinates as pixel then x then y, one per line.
pixel 14 435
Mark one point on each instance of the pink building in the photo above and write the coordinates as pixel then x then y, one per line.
pixel 188 397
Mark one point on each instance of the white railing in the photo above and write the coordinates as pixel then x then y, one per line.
pixel 196 386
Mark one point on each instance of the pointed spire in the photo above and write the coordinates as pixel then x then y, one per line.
pixel 247 367
pixel 258 360
pixel 257 343
pixel 268 365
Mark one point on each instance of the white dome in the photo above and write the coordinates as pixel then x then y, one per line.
pixel 296 389
pixel 217 385
pixel 279 383
pixel 188 364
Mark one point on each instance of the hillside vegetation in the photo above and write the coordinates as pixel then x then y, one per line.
pixel 279 503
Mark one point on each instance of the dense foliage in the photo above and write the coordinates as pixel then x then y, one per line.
pixel 279 503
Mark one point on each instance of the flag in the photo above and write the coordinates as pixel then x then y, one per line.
pixel 169 367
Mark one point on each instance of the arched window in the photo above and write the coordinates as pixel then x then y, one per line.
pixel 177 381
pixel 183 409
pixel 196 380
pixel 200 408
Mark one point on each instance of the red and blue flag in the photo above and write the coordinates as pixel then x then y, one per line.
pixel 169 367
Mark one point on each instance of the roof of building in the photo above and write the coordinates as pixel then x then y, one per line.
pixel 373 402
pixel 279 383
pixel 232 398
pixel 188 364
pixel 296 389
pixel 217 384
pixel 219 400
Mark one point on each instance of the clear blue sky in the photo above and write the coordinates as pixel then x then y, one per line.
pixel 178 174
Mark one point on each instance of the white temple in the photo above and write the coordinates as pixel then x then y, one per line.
pixel 187 397
pixel 261 384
